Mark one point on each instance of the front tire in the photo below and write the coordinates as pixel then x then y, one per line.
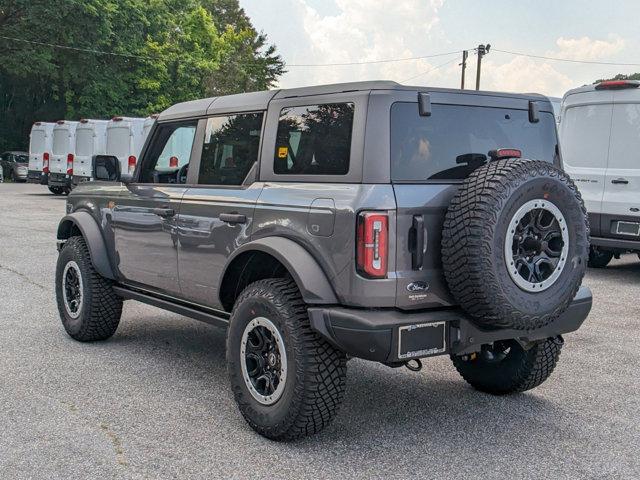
pixel 89 308
pixel 287 381
pixel 505 367
pixel 599 258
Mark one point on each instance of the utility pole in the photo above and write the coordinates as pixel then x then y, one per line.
pixel 482 51
pixel 465 54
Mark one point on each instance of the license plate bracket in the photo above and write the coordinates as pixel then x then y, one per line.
pixel 628 228
pixel 422 340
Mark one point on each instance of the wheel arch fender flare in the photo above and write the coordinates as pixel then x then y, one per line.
pixel 313 283
pixel 92 235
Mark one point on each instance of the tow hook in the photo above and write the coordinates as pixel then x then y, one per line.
pixel 414 365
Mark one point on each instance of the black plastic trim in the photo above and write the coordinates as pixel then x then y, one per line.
pixel 197 312
pixel 92 236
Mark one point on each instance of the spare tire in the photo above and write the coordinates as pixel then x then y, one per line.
pixel 515 244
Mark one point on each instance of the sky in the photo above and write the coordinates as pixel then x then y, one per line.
pixel 342 31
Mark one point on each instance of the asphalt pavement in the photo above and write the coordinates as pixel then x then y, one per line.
pixel 153 402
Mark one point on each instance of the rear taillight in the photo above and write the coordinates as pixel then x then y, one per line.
pixel 131 164
pixel 617 84
pixel 70 164
pixel 45 162
pixel 372 244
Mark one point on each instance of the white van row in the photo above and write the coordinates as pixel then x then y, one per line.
pixel 61 153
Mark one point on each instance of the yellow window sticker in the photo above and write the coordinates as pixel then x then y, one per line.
pixel 283 152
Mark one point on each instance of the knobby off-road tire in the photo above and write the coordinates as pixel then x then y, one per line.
pixel 505 367
pixel 481 219
pixel 315 371
pixel 599 258
pixel 95 313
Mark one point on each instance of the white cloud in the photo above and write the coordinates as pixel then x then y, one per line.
pixel 585 48
pixel 341 31
pixel 525 75
pixel 365 30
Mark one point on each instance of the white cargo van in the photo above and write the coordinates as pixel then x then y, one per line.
pixel 61 161
pixel 91 139
pixel 125 139
pixel 40 143
pixel 148 123
pixel 600 141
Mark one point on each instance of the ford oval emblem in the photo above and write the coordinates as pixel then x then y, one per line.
pixel 418 287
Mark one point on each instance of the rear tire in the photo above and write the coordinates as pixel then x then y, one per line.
pixel 499 373
pixel 305 377
pixel 55 190
pixel 599 258
pixel 89 308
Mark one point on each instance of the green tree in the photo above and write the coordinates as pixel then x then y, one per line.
pixel 167 51
pixel 621 76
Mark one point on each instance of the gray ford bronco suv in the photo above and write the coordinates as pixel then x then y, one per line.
pixel 371 220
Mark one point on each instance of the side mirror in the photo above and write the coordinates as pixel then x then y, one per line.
pixel 106 168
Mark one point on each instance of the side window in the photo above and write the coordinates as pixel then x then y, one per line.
pixel 314 140
pixel 167 159
pixel 230 149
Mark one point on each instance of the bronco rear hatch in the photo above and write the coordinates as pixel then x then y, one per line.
pixel 431 154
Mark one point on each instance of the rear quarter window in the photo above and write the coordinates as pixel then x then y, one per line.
pixel 456 139
pixel 314 140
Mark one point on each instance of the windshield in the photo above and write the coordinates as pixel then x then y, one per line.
pixel 37 141
pixel 60 142
pixel 456 139
pixel 21 158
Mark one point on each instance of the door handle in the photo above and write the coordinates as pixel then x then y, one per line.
pixel 622 181
pixel 163 212
pixel 233 218
pixel 417 252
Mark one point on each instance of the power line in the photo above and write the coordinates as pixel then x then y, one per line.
pixel 556 59
pixel 390 60
pixel 128 55
pixel 77 49
pixel 431 69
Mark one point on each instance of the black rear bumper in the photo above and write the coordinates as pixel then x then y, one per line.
pixel 616 243
pixel 375 334
pixel 35 176
pixel 59 180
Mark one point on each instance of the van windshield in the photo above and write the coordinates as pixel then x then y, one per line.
pixel 37 141
pixel 84 142
pixel 118 141
pixel 456 139
pixel 60 142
